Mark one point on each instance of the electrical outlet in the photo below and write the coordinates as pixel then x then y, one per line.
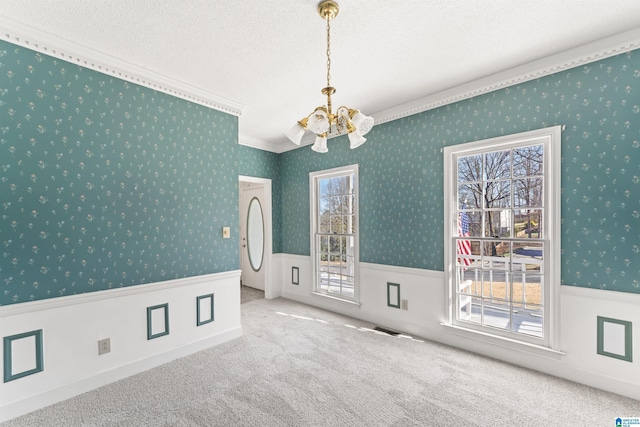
pixel 104 346
pixel 404 304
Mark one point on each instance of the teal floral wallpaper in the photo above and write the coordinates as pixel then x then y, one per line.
pixel 401 200
pixel 107 184
pixel 264 164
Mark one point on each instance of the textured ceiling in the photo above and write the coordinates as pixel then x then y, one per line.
pixel 269 56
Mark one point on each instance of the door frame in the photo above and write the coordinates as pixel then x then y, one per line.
pixel 269 292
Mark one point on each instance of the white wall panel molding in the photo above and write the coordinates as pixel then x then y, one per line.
pixel 601 49
pixel 425 291
pixel 49 44
pixel 71 330
pixel 600 294
pixel 46 304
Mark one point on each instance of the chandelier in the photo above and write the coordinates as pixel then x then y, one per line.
pixel 323 121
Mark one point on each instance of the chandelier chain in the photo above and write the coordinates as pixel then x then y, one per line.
pixel 328 52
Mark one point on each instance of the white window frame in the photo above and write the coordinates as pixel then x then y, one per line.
pixel 550 138
pixel 313 202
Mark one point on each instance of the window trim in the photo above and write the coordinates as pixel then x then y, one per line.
pixel 551 139
pixel 313 205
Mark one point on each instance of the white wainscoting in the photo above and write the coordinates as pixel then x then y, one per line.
pixel 425 292
pixel 73 325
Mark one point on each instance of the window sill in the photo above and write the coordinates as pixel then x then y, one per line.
pixel 331 297
pixel 504 342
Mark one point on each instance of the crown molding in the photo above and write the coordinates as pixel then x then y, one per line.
pixel 260 144
pixel 581 55
pixel 31 38
pixel 587 53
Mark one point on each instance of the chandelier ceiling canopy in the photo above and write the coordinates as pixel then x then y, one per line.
pixel 323 121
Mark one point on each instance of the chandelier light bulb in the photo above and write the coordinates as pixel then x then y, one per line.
pixel 318 122
pixel 295 133
pixel 362 123
pixel 320 146
pixel 356 139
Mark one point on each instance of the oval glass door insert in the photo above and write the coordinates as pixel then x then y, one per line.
pixel 255 234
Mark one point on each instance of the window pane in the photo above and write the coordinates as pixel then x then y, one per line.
pixel 527 161
pixel 470 168
pixel 527 256
pixel 497 284
pixel 335 203
pixel 323 283
pixel 528 224
pixel 497 164
pixel 334 267
pixel 335 226
pixel 348 288
pixel 497 223
pixel 498 194
pixel 528 289
pixel 528 319
pixel 476 311
pixel 334 283
pixel 323 206
pixel 350 249
pixel 496 254
pixel 496 314
pixel 468 252
pixel 527 193
pixel 474 221
pixel 323 187
pixel 464 307
pixel 345 223
pixel 489 286
pixel 470 282
pixel 347 205
pixel 324 224
pixel 323 262
pixel 323 244
pixel 470 196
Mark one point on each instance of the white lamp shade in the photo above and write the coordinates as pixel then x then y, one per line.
pixel 295 134
pixel 356 139
pixel 318 122
pixel 343 112
pixel 362 123
pixel 320 146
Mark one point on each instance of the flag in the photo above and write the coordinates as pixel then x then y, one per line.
pixel 464 245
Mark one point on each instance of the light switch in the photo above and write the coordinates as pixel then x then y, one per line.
pixel 226 232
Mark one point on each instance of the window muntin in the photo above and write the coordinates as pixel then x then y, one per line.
pixel 502 235
pixel 334 232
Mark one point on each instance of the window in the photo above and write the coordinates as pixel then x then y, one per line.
pixel 334 231
pixel 502 235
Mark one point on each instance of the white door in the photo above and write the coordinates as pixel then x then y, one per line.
pixel 252 235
